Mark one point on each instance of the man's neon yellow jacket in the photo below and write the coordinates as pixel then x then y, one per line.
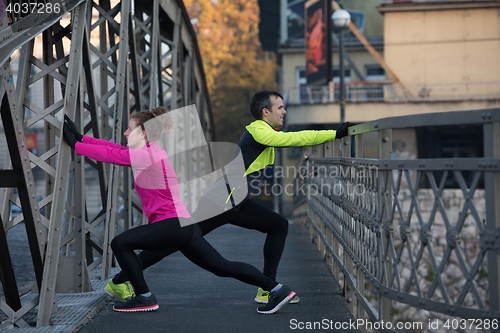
pixel 255 153
pixel 258 142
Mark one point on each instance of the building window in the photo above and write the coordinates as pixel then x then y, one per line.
pixel 450 142
pixel 301 79
pixel 374 73
pixel 374 91
pixel 295 17
pixel 347 74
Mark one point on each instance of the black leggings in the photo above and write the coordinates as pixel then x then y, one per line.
pixel 168 236
pixel 254 216
pixel 249 215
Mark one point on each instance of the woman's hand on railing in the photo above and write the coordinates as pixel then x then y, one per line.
pixel 72 128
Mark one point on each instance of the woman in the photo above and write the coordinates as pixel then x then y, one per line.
pixel 157 185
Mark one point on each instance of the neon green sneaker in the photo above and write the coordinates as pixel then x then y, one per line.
pixel 123 291
pixel 263 297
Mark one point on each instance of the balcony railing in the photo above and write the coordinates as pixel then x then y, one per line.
pixel 390 2
pixel 383 91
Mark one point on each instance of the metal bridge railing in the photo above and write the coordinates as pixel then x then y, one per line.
pixel 398 238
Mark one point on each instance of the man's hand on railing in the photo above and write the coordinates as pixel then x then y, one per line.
pixel 343 129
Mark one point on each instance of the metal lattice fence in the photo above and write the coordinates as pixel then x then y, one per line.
pixel 404 241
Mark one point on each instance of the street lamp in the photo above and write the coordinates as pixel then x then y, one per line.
pixel 341 19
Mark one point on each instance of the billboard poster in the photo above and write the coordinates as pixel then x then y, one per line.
pixel 318 42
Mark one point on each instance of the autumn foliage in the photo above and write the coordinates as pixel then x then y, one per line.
pixel 235 65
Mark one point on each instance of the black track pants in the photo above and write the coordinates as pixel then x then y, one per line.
pixel 250 215
pixel 167 237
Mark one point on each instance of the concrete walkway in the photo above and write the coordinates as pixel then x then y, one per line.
pixel 193 300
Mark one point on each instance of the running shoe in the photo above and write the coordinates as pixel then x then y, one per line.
pixel 138 303
pixel 277 300
pixel 263 297
pixel 123 291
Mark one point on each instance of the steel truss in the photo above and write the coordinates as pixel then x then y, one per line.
pixel 367 218
pixel 97 62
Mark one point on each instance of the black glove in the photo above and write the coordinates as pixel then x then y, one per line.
pixel 343 129
pixel 68 136
pixel 72 128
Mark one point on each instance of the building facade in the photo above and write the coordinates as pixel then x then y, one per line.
pixel 445 57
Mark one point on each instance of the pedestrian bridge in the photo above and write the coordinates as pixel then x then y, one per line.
pixel 408 238
pixel 402 237
pixel 97 62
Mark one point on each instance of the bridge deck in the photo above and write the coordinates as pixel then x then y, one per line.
pixel 193 300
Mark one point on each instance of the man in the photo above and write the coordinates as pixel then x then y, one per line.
pixel 257 149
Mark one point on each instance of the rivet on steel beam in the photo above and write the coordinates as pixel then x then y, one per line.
pixel 385 139
pixel 376 125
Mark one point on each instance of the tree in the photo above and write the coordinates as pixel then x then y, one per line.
pixel 235 65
